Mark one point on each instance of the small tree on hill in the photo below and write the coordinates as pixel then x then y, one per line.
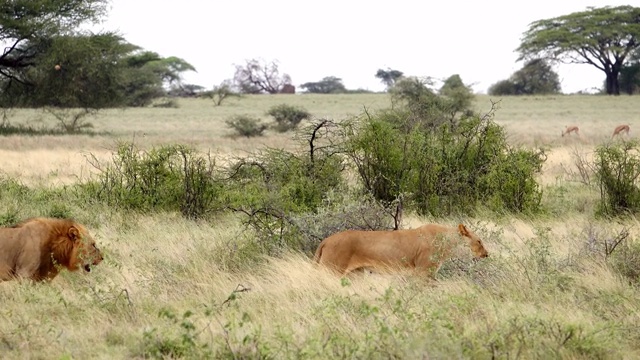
pixel 389 76
pixel 328 85
pixel 258 76
pixel 221 92
pixel 425 106
pixel 287 117
pixel 535 77
pixel 460 96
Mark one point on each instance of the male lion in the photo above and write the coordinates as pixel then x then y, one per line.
pixel 423 249
pixel 37 248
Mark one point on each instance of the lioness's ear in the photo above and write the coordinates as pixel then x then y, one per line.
pixel 74 233
pixel 463 230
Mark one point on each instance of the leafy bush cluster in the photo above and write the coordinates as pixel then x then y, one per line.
pixel 170 178
pixel 424 107
pixel 245 125
pixel 274 186
pixel 430 154
pixel 287 118
pixel 535 77
pixel 617 167
pixel 446 167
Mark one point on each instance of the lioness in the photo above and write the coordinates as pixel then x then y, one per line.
pixel 423 249
pixel 37 248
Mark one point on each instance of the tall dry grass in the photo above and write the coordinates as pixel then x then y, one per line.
pixel 164 290
pixel 526 299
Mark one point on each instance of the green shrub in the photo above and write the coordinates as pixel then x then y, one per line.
pixel 246 125
pixel 617 167
pixel 287 117
pixel 221 92
pixel 60 211
pixel 179 341
pixel 510 184
pixel 503 87
pixel 9 218
pixel 10 187
pixel 381 155
pixel 273 187
pixel 169 178
pixel 449 168
pixel 425 107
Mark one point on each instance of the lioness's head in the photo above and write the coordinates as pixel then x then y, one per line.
pixel 474 242
pixel 84 252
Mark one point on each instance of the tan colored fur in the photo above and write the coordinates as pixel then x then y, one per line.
pixel 423 249
pixel 620 129
pixel 569 129
pixel 37 248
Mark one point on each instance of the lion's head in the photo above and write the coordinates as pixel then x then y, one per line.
pixel 38 248
pixel 78 246
pixel 475 243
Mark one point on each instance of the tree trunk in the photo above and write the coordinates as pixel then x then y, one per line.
pixel 612 84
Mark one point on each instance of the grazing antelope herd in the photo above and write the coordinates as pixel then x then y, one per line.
pixel 618 131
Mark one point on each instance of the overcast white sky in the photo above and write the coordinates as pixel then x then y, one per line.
pixel 349 39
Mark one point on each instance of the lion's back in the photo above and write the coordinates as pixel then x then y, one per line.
pixel 353 249
pixel 18 248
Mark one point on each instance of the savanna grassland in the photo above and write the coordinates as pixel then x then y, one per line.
pixel 553 287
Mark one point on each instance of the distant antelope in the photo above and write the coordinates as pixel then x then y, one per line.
pixel 620 129
pixel 569 129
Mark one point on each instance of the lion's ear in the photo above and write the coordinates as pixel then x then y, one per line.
pixel 74 233
pixel 463 230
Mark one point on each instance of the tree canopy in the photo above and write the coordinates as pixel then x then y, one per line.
pixel 91 71
pixel 535 77
pixel 601 37
pixel 49 62
pixel 257 76
pixel 389 76
pixel 24 24
pixel 328 85
pixel 630 74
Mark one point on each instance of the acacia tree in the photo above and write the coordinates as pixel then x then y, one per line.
pixel 258 76
pixel 389 76
pixel 24 24
pixel 72 76
pixel 328 85
pixel 150 75
pixel 601 37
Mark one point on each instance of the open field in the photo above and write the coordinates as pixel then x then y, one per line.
pixel 546 291
pixel 529 121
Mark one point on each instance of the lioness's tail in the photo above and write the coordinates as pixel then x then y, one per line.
pixel 318 255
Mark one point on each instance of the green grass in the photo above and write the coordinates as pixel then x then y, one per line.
pixel 167 287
